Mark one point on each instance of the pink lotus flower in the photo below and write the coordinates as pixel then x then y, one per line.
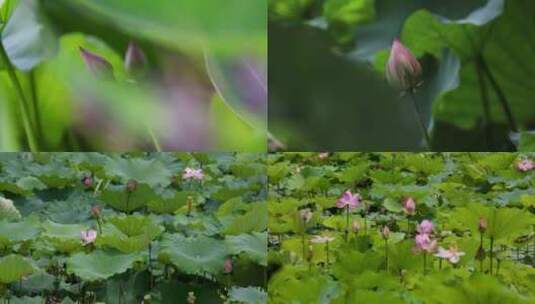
pixel 425 227
pixel 87 181
pixel 318 239
pixel 190 173
pixel 88 236
pixel 525 165
pixel 452 254
pixel 423 242
pixel 99 66
pixel 227 266
pixel 409 206
pixel 348 199
pixel 403 70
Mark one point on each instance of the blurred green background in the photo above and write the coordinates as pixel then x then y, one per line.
pixel 204 86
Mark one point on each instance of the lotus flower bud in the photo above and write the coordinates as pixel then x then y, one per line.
pixel 482 225
pixel 96 211
pixel 88 236
pixel 87 181
pixel 305 215
pixel 385 232
pixel 99 66
pixel 403 70
pixel 228 266
pixel 310 254
pixel 131 185
pixel 409 206
pixel 355 226
pixel 135 60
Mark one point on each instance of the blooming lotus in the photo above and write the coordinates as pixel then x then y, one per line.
pixel 409 206
pixel 88 236
pixel 425 227
pixel 423 242
pixel 190 173
pixel 318 239
pixel 348 199
pixel 452 254
pixel 403 70
pixel 525 165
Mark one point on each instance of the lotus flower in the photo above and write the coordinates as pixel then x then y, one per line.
pixel 190 173
pixel 99 66
pixel 452 254
pixel 423 242
pixel 96 211
pixel 87 181
pixel 318 239
pixel 88 236
pixel 409 206
pixel 525 165
pixel 403 70
pixel 323 155
pixel 135 60
pixel 131 185
pixel 425 227
pixel 385 232
pixel 348 199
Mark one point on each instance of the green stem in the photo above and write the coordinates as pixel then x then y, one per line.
pixel 386 254
pixel 481 246
pixel 491 254
pixel 347 223
pixel 23 104
pixel 501 96
pixel 485 102
pixel 304 244
pixel 327 252
pixel 155 141
pixel 425 263
pixel 420 121
pixel 35 104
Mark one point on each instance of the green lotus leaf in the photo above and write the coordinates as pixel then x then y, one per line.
pixel 119 198
pixel 193 255
pixel 170 203
pixel 63 237
pixel 13 268
pixel 129 233
pixel 26 300
pixel 18 231
pixel 145 171
pixel 248 295
pixel 253 245
pixel 254 220
pixel 100 265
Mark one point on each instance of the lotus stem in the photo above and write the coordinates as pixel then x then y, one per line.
pixel 420 121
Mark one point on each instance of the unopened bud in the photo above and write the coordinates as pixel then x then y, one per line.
pixel 135 60
pixel 228 266
pixel 403 70
pixel 305 215
pixel 385 232
pixel 355 226
pixel 99 66
pixel 191 298
pixel 87 181
pixel 482 225
pixel 131 185
pixel 96 211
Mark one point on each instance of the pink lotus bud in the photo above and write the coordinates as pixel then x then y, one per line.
pixel 99 66
pixel 409 206
pixel 305 215
pixel 403 70
pixel 228 266
pixel 87 181
pixel 88 236
pixel 482 225
pixel 385 232
pixel 135 60
pixel 131 185
pixel 96 211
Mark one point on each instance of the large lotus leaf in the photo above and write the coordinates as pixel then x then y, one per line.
pixel 170 202
pixel 22 186
pixel 129 233
pixel 253 245
pixel 121 199
pixel 498 46
pixel 100 265
pixel 146 171
pixel 173 291
pixel 18 231
pixel 248 295
pixel 26 300
pixel 391 15
pixel 254 220
pixel 229 27
pixel 193 255
pixel 64 237
pixel 27 38
pixel 13 268
pixel 70 211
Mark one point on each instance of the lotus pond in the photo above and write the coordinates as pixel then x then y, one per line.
pixel 132 228
pixel 401 228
